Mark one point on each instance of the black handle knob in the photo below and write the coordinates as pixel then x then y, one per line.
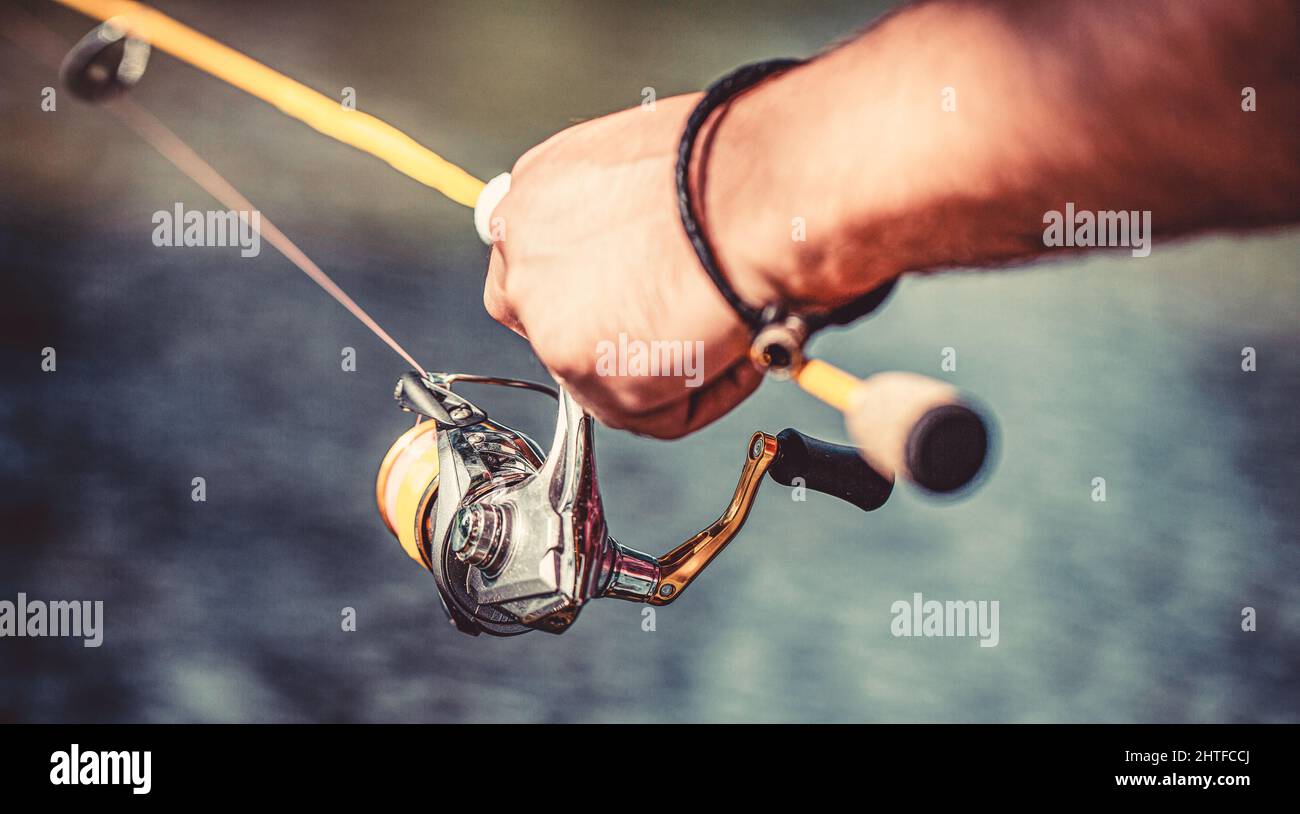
pixel 833 469
pixel 947 447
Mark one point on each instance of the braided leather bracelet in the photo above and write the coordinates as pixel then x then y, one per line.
pixel 778 334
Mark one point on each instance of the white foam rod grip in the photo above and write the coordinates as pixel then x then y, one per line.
pixel 921 428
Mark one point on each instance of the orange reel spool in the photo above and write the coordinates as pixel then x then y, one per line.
pixel 407 485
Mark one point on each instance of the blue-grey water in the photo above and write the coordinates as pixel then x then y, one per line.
pixel 176 363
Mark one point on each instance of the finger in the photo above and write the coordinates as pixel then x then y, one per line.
pixel 697 408
pixel 494 293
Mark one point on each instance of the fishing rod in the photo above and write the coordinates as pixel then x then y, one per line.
pixel 515 535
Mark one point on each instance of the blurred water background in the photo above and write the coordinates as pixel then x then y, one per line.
pixel 175 363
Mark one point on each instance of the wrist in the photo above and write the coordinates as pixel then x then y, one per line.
pixel 826 181
pixel 742 198
pixel 788 221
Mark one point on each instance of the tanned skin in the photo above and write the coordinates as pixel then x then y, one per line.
pixel 1109 104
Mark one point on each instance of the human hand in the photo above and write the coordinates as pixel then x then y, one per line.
pixel 589 261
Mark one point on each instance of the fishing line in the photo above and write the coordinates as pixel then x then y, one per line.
pixel 171 147
pixel 31 35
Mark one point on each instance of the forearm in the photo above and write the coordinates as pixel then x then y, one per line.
pixel 1106 105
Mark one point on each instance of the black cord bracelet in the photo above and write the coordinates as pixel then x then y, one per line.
pixel 799 326
pixel 718 94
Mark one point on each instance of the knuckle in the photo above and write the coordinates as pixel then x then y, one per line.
pixel 495 311
pixel 493 304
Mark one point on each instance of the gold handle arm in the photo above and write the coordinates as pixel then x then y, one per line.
pixel 679 567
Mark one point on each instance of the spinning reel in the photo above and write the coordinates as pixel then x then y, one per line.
pixel 517 541
pixel 516 538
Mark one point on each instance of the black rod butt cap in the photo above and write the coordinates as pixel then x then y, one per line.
pixel 947 448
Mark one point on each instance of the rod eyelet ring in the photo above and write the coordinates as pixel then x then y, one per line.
pixel 105 63
pixel 778 346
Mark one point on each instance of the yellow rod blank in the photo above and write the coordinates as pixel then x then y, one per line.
pixel 360 130
pixel 827 382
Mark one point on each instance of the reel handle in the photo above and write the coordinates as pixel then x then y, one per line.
pixel 832 469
